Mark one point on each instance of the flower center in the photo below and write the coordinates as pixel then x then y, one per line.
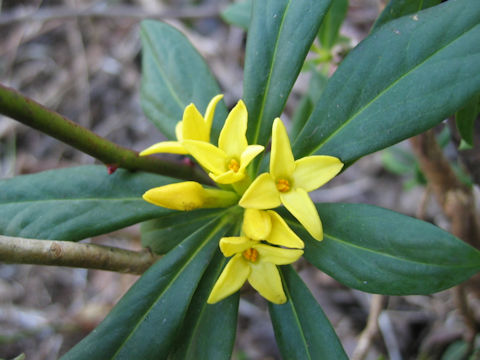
pixel 234 165
pixel 251 255
pixel 283 185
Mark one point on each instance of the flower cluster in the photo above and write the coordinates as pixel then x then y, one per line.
pixel 265 240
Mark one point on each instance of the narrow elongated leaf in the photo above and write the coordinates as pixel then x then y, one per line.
pixel 145 323
pixel 403 79
pixel 328 32
pixel 301 328
pixel 238 13
pixel 280 35
pixel 208 331
pixel 75 203
pixel 174 75
pixel 165 232
pixel 465 119
pixel 380 251
pixel 399 8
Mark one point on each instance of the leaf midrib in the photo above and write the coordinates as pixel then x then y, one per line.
pixel 168 285
pixel 387 89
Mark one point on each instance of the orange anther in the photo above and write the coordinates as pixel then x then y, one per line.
pixel 283 185
pixel 251 255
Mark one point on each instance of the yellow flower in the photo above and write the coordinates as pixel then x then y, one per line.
pixel 189 195
pixel 257 261
pixel 289 182
pixel 192 127
pixel 228 161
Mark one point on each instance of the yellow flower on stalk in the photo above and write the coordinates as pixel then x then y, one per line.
pixel 189 195
pixel 193 126
pixel 227 162
pixel 255 261
pixel 289 182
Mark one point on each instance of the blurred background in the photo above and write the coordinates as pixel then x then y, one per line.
pixel 82 59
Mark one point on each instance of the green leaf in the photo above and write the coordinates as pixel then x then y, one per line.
pixel 301 328
pixel 165 232
pixel 279 37
pixel 145 323
pixel 238 13
pixel 465 119
pixel 380 251
pixel 174 75
pixel 329 30
pixel 208 331
pixel 399 8
pixel 75 203
pixel 401 80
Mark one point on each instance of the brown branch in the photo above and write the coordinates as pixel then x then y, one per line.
pixel 16 250
pixel 31 113
pixel 457 202
pixel 371 330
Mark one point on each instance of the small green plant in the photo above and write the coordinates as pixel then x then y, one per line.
pixel 251 216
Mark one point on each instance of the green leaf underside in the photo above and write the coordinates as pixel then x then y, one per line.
pixel 165 232
pixel 279 37
pixel 329 30
pixel 208 331
pixel 380 251
pixel 401 80
pixel 75 203
pixel 174 75
pixel 238 13
pixel 145 323
pixel 301 328
pixel 399 8
pixel 465 119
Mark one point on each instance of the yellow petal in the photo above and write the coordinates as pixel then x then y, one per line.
pixel 249 154
pixel 277 255
pixel 261 194
pixel 184 196
pixel 230 280
pixel 301 206
pixel 209 156
pixel 234 245
pixel 193 125
pixel 179 131
pixel 311 172
pixel 171 147
pixel 265 278
pixel 210 112
pixel 281 234
pixel 256 224
pixel 228 177
pixel 232 138
pixel 282 163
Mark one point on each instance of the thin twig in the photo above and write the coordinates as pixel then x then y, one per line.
pixel 29 112
pixel 371 330
pixel 118 11
pixel 64 253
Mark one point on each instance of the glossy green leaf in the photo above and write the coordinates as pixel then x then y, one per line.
pixel 238 13
pixel 280 35
pixel 381 251
pixel 208 331
pixel 401 80
pixel 301 328
pixel 399 8
pixel 75 203
pixel 165 232
pixel 329 30
pixel 146 321
pixel 174 75
pixel 465 119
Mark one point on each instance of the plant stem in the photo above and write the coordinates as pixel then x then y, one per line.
pixel 65 253
pixel 29 112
